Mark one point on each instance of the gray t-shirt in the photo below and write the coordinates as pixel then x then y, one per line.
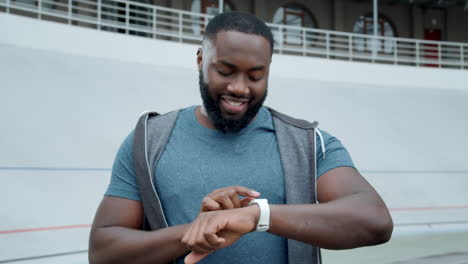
pixel 198 160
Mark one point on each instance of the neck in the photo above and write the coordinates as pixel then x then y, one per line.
pixel 203 118
pixel 203 111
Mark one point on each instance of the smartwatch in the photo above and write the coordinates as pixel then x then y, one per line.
pixel 264 220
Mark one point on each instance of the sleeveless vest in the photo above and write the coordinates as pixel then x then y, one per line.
pixel 296 144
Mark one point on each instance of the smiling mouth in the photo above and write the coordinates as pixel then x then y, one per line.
pixel 234 105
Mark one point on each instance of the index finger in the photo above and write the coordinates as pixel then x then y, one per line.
pixel 194 257
pixel 244 191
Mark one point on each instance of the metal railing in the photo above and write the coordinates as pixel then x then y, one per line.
pixel 151 21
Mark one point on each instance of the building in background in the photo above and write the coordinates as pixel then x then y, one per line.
pixel 429 33
pixel 444 20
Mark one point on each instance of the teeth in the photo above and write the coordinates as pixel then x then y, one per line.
pixel 234 103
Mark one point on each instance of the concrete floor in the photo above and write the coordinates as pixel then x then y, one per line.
pixel 454 258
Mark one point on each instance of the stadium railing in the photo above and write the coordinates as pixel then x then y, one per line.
pixel 152 21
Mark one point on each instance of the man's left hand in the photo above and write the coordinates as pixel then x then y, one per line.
pixel 228 198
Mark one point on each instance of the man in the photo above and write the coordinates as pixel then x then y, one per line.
pixel 219 158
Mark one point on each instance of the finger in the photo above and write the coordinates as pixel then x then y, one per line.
pixel 214 240
pixel 194 257
pixel 202 248
pixel 208 229
pixel 245 201
pixel 186 237
pixel 196 241
pixel 240 190
pixel 209 204
pixel 234 197
pixel 244 191
pixel 225 201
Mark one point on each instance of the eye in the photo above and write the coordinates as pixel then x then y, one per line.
pixel 224 73
pixel 223 70
pixel 255 78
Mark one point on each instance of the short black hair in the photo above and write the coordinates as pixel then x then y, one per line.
pixel 240 22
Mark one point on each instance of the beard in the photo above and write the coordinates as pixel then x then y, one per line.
pixel 212 107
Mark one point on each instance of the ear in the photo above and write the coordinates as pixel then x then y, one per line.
pixel 199 59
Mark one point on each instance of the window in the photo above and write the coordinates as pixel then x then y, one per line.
pixel 113 15
pixel 34 4
pixel 292 15
pixel 25 2
pixel 209 7
pixel 365 25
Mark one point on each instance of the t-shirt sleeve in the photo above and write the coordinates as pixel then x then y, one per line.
pixel 123 179
pixel 336 154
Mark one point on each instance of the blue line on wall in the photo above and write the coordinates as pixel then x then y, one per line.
pixel 362 171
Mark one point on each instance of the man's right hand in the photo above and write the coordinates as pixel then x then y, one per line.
pixel 211 231
pixel 228 198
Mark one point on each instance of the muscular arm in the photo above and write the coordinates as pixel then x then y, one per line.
pixel 351 214
pixel 115 237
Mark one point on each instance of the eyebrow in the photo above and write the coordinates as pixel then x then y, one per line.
pixel 230 65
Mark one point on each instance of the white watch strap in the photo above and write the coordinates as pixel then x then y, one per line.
pixel 264 219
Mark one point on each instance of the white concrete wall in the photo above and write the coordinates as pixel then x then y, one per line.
pixel 69 96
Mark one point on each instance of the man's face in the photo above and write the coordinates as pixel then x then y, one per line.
pixel 234 78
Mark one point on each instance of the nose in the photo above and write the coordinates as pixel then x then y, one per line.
pixel 239 86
